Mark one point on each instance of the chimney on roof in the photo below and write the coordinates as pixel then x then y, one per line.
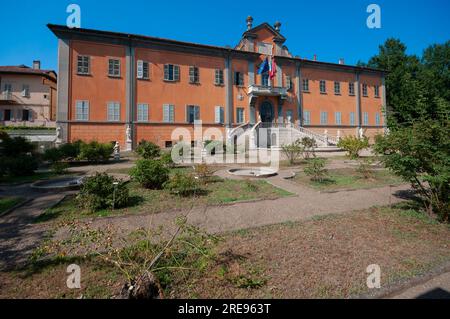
pixel 36 64
pixel 341 61
pixel 315 57
pixel 249 22
pixel 277 26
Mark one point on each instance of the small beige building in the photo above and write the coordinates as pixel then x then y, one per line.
pixel 27 96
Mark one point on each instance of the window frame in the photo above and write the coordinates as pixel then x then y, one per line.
pixel 171 113
pixel 240 111
pixel 366 118
pixel 141 107
pixel 219 77
pixel 305 81
pixel 365 90
pixel 338 118
pixel 324 84
pixel 115 115
pixel 351 89
pixel 194 74
pixel 323 119
pixel 84 111
pixel 376 89
pixel 116 68
pixel 377 119
pixel 352 118
pixel 81 68
pixel 171 75
pixel 195 113
pixel 25 90
pixel 337 85
pixel 221 119
pixel 145 65
pixel 306 117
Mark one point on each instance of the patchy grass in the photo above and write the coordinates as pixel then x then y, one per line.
pixel 8 203
pixel 349 178
pixel 217 192
pixel 323 257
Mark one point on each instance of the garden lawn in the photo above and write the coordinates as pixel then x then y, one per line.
pixel 324 257
pixel 217 192
pixel 8 202
pixel 26 179
pixel 349 178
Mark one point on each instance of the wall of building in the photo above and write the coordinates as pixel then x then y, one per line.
pixel 39 101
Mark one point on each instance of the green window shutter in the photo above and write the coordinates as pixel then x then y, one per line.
pixel 140 69
pixel 30 115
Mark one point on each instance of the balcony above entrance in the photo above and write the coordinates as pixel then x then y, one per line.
pixel 262 90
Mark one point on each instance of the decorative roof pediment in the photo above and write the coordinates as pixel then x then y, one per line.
pixel 253 32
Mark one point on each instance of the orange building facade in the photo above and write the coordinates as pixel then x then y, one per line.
pixel 128 88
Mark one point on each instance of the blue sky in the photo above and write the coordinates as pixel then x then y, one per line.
pixel 330 29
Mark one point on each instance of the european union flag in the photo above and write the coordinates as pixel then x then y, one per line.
pixel 264 67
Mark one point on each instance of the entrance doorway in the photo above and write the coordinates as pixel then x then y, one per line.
pixel 266 111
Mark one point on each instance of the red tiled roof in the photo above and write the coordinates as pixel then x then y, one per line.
pixel 23 69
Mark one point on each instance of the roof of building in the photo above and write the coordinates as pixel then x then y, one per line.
pixel 61 30
pixel 23 69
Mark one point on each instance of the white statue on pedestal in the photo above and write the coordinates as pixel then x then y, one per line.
pixel 58 135
pixel 117 151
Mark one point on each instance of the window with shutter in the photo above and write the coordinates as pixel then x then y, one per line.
pixel 305 85
pixel 377 119
pixel 142 115
pixel 194 75
pixel 338 118
pixel 323 87
pixel 323 118
pixel 176 73
pixel 240 115
pixel 351 89
pixel 140 69
pixel 114 111
pixel 337 88
pixel 352 118
pixel 114 68
pixel 82 111
pixel 26 90
pixel 366 118
pixel 168 113
pixel 83 64
pixel 288 83
pixel 364 89
pixel 218 77
pixel 219 118
pixel 306 117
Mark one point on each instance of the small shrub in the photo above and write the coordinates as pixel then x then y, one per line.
pixel 99 192
pixel 292 151
pixel 150 173
pixel 353 145
pixel 71 150
pixel 364 168
pixel 53 155
pixel 316 170
pixel 309 144
pixel 95 152
pixel 148 150
pixel 203 171
pixel 166 159
pixel 20 165
pixel 60 168
pixel 183 184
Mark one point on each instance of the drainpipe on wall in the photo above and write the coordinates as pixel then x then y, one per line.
pixel 358 104
pixel 228 94
pixel 298 80
pixel 130 88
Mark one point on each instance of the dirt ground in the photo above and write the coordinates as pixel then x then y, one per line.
pixel 323 257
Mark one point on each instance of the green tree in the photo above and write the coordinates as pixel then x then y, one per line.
pixel 420 154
